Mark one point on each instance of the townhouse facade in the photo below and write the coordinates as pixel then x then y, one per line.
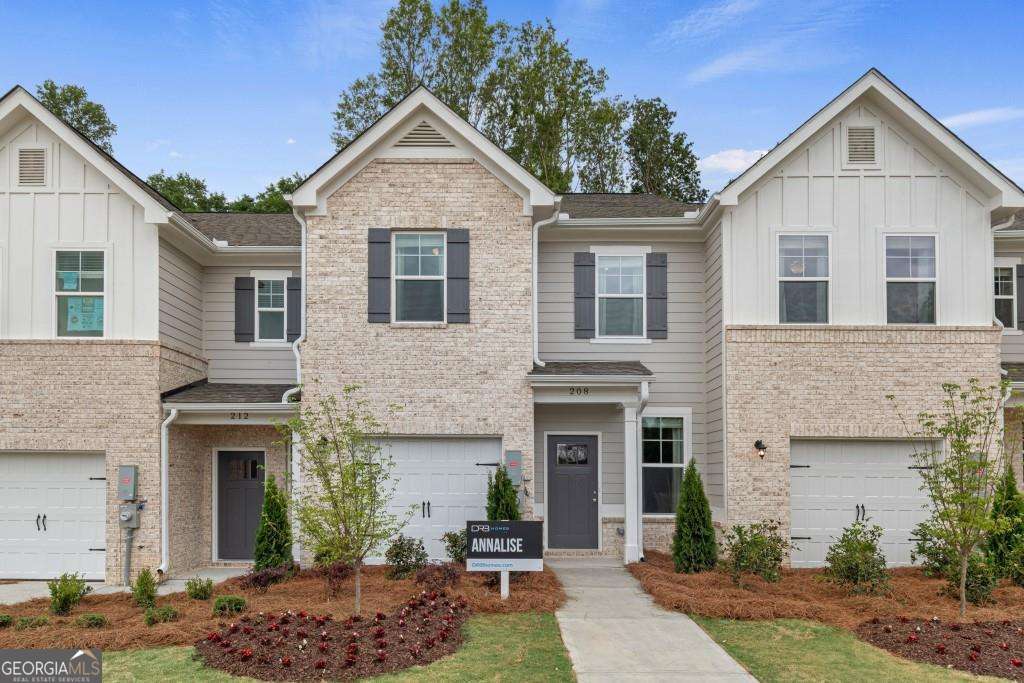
pixel 602 341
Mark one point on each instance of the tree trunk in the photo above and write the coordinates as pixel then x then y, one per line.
pixel 359 587
pixel 963 585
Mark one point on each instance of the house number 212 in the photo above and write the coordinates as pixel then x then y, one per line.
pixel 579 391
pixel 239 416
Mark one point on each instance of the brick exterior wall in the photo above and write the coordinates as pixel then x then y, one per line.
pixel 658 533
pixel 831 382
pixel 459 379
pixel 178 368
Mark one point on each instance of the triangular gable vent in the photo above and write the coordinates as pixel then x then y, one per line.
pixel 860 144
pixel 424 135
pixel 31 166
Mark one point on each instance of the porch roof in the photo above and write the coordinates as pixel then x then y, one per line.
pixel 206 392
pixel 629 368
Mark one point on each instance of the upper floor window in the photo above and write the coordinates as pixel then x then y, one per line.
pixel 270 309
pixel 803 279
pixel 1006 295
pixel 620 295
pixel 80 291
pixel 419 277
pixel 910 279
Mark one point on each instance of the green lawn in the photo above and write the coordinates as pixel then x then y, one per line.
pixel 499 647
pixel 794 650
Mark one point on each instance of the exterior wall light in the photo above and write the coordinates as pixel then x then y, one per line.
pixel 761 448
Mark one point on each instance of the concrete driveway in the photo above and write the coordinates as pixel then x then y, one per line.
pixel 615 632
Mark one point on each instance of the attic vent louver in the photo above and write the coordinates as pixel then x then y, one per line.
pixel 31 166
pixel 424 135
pixel 860 145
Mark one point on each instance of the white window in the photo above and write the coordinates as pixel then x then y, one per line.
pixel 1005 287
pixel 621 287
pixel 420 269
pixel 80 290
pixel 804 275
pixel 664 452
pixel 271 309
pixel 910 279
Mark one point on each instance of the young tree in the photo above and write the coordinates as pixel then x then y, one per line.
pixel 961 473
pixel 274 534
pixel 602 161
pixel 694 548
pixel 271 200
pixel 343 507
pixel 502 497
pixel 187 192
pixel 1008 512
pixel 661 161
pixel 72 104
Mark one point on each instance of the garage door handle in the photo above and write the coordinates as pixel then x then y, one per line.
pixel 423 509
pixel 38 517
pixel 428 508
pixel 44 522
pixel 487 464
pixel 799 538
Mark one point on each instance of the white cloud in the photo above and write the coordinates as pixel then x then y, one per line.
pixel 731 160
pixel 983 117
pixel 290 141
pixel 174 154
pixel 708 21
pixel 153 145
pixel 761 57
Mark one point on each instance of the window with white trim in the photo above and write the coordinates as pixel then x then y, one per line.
pixel 80 291
pixel 620 295
pixel 1005 288
pixel 803 279
pixel 910 279
pixel 664 442
pixel 271 309
pixel 419 275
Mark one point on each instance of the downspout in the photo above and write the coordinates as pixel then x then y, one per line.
pixel 536 277
pixel 165 467
pixel 302 315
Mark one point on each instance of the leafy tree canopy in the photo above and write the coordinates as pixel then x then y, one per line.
pixel 72 104
pixel 190 193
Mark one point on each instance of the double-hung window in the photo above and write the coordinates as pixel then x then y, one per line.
pixel 664 444
pixel 1006 293
pixel 803 279
pixel 620 295
pixel 910 279
pixel 80 290
pixel 270 309
pixel 419 270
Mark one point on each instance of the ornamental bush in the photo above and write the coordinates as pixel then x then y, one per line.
pixel 30 622
pixel 91 620
pixel 228 604
pixel 755 549
pixel 856 561
pixel 405 556
pixel 5 620
pixel 1008 511
pixel 66 592
pixel 144 589
pixel 455 545
pixel 982 579
pixel 694 548
pixel 1015 563
pixel 198 588
pixel 260 580
pixel 934 556
pixel 160 615
pixel 502 497
pixel 274 535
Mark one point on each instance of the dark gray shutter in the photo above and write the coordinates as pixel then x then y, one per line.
pixel 1018 272
pixel 294 308
pixel 378 268
pixel 657 296
pixel 458 275
pixel 583 294
pixel 245 309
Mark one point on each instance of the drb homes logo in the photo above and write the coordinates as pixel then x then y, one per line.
pixel 50 666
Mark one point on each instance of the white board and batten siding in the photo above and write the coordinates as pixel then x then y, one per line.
pixel 815 190
pixel 76 208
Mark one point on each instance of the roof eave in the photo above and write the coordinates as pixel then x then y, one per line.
pixel 555 380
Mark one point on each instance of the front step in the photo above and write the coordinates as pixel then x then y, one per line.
pixel 232 564
pixel 556 553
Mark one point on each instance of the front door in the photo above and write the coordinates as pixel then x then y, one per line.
pixel 240 479
pixel 572 491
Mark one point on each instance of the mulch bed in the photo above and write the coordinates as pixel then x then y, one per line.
pixel 301 646
pixel 987 648
pixel 535 591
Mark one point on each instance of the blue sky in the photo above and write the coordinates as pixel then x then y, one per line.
pixel 241 94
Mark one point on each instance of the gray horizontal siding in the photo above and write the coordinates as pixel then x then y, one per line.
pixel 606 419
pixel 714 467
pixel 181 300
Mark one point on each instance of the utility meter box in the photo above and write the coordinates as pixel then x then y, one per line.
pixel 514 465
pixel 128 516
pixel 127 479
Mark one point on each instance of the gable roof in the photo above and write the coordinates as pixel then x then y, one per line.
pixel 623 205
pixel 359 151
pixel 249 229
pixel 912 115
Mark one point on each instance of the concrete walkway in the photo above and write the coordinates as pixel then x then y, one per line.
pixel 615 632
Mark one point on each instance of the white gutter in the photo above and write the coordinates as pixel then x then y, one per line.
pixel 302 316
pixel 276 407
pixel 536 277
pixel 165 467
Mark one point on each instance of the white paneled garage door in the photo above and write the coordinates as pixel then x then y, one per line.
pixel 442 483
pixel 52 515
pixel 829 479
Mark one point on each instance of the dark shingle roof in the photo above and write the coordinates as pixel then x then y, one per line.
pixel 626 368
pixel 249 229
pixel 207 392
pixel 623 205
pixel 1014 371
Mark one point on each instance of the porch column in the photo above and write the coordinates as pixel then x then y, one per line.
pixel 634 532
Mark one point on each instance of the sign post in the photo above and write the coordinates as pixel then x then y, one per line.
pixel 504 547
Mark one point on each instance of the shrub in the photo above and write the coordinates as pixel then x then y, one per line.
pixel 693 546
pixel 934 556
pixel 405 556
pixel 982 579
pixel 1015 563
pixel 144 589
pixel 262 579
pixel 855 560
pixel 91 620
pixel 1008 511
pixel 160 615
pixel 335 574
pixel 455 545
pixel 228 604
pixel 30 622
pixel 502 497
pixel 198 588
pixel 66 592
pixel 274 535
pixel 755 549
pixel 437 576
pixel 5 620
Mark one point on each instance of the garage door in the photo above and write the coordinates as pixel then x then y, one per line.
pixel 443 484
pixel 52 515
pixel 829 479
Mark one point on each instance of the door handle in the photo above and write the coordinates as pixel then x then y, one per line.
pixel 423 509
pixel 44 522
pixel 428 508
pixel 863 512
pixel 856 510
pixel 38 517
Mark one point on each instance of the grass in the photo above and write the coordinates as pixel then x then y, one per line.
pixel 795 650
pixel 498 647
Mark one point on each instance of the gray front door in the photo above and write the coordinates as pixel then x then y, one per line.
pixel 239 503
pixel 572 491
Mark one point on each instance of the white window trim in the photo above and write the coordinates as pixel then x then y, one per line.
pixel 886 279
pixel 620 250
pixel 106 293
pixel 779 279
pixel 1010 262
pixel 395 277
pixel 47 168
pixel 673 411
pixel 258 275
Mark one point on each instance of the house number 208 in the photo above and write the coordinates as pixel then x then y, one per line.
pixel 579 391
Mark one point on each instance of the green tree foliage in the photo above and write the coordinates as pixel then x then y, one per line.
pixel 274 535
pixel 502 497
pixel 1008 512
pixel 72 104
pixel 661 161
pixel 187 192
pixel 271 199
pixel 694 548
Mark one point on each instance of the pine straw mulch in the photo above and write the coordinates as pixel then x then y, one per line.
pixel 804 594
pixel 535 591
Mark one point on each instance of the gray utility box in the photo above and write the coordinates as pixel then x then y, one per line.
pixel 514 465
pixel 127 480
pixel 128 516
